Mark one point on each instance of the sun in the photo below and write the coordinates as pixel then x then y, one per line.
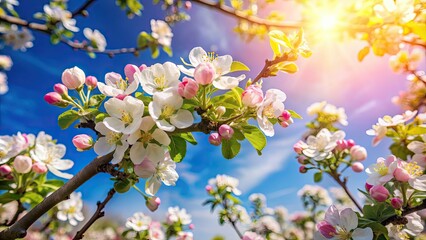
pixel 328 22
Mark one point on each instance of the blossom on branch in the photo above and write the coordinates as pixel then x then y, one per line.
pixel 71 209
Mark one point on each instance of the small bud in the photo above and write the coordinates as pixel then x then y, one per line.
pixel 145 169
pixel 396 203
pixel 357 167
pixel 204 73
pixel 39 168
pixel 326 229
pixel 121 96
pixel 129 71
pixel 226 132
pixel 191 226
pixel 285 116
pixel 82 142
pixel 188 5
pixel 152 203
pixel 401 174
pixel 73 78
pixel 302 169
pixel 209 189
pixel 22 164
pixel 220 111
pixel 5 170
pixel 368 187
pixel 358 153
pixel 53 98
pixel 61 89
pixel 341 145
pixel 215 139
pixel 188 88
pixel 91 82
pixel 252 96
pixel 298 147
pixel 379 193
pixel 351 143
pixel 284 124
pixel 301 159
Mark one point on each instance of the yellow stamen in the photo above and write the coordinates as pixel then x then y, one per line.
pixel 381 169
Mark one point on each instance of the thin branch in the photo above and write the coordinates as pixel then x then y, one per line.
pixel 110 168
pixel 265 72
pixel 401 219
pixel 232 221
pixel 98 214
pixel 343 185
pixel 251 19
pixel 74 45
pixel 82 9
pixel 19 229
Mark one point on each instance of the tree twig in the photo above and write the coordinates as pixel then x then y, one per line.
pixel 19 228
pixel 82 9
pixel 401 219
pixel 265 72
pixel 98 214
pixel 232 221
pixel 343 185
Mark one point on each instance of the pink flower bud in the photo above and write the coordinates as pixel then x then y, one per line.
pixel 284 124
pixel 215 139
pixel 73 78
pixel 53 98
pixel 22 164
pixel 298 147
pixel 142 67
pixel 188 5
pixel 220 111
pixel 82 142
pixel 5 170
pixel 301 159
pixel 351 143
pixel 357 167
pixel 188 88
pixel 341 145
pixel 39 168
pixel 285 116
pixel 401 174
pixel 379 193
pixel 91 82
pixel 191 226
pixel 252 96
pixel 368 187
pixel 129 71
pixel 152 203
pixel 61 89
pixel 204 73
pixel 358 153
pixel 302 169
pixel 225 131
pixel 396 203
pixel 209 189
pixel 145 169
pixel 326 229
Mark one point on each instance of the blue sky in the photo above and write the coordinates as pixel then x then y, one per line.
pixel 332 73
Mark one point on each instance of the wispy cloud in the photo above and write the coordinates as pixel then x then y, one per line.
pixel 281 193
pixel 364 108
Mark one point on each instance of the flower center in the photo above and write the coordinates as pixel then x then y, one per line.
pixel 413 169
pixel 381 169
pixel 71 210
pixel 113 138
pixel 160 82
pixel 2 154
pixel 168 111
pixel 387 119
pixel 121 84
pixel 268 111
pixel 145 137
pixel 342 234
pixel 126 117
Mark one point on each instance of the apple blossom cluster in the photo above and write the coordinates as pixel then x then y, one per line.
pixel 177 224
pixel 326 115
pixel 413 98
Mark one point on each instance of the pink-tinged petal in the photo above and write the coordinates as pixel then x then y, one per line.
pixel 114 124
pixel 418 183
pixel 182 119
pixel 137 153
pixel 362 234
pixel 102 147
pixel 348 219
pixel 115 107
pixel 155 153
pixel 189 72
pixel 332 216
pixel 62 164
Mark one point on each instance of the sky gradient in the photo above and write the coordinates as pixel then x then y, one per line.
pixel 333 73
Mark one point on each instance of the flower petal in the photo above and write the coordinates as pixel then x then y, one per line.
pixel 182 119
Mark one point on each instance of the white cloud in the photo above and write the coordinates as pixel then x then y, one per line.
pixel 364 108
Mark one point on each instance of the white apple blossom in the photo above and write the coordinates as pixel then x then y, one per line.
pixel 159 77
pixel 271 107
pixel 399 11
pixel 316 108
pixel 252 236
pixel 64 16
pixel 4 88
pixel 8 211
pixel 165 171
pixel 343 225
pixel 324 108
pixel 145 142
pixel 402 232
pixel 125 115
pixel 221 64
pixel 71 209
pixel 6 149
pixel 166 111
pixel 110 141
pixel 115 85
pixel 258 198
pixel 96 38
pixel 155 231
pixel 9 4
pixel 162 32
pixel 5 62
pixel 138 222
pixel 419 150
pixel 51 155
pixel 18 39
pixel 176 214
pixel 320 147
pixel 266 224
pixel 381 172
pixel 185 236
pixel 225 181
pixel 241 214
pixel 317 193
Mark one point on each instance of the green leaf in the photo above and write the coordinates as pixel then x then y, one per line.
pixel 229 100
pixel 168 50
pixel 238 66
pixel 294 114
pixel 177 148
pixel 188 137
pixel 67 118
pixel 54 39
pixel 143 39
pixel 32 198
pixel 288 67
pixel 96 100
pixel 53 184
pixel 363 53
pixel 417 130
pixel 9 197
pixel 230 148
pixel 318 177
pixel 400 150
pixel 154 51
pixel 144 98
pixel 100 117
pixel 378 212
pixel 5 185
pixel 255 136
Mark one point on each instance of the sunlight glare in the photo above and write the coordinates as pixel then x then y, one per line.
pixel 328 22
